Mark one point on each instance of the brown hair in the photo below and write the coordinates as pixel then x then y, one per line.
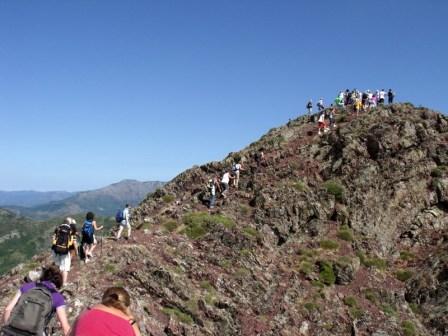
pixel 116 297
pixel 53 274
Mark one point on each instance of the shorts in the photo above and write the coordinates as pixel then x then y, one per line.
pixel 89 240
pixel 124 223
pixel 63 261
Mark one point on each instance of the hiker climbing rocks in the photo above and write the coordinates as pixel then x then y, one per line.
pixel 236 169
pixel 125 222
pixel 358 106
pixel 321 124
pixel 332 118
pixel 309 107
pixel 62 243
pixel 320 104
pixel 31 309
pixel 112 314
pixel 226 177
pixel 381 97
pixel 390 96
pixel 211 187
pixel 88 235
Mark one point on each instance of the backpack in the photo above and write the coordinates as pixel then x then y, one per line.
pixel 32 313
pixel 87 229
pixel 62 239
pixel 119 216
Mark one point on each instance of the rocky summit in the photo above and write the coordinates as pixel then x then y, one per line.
pixel 339 234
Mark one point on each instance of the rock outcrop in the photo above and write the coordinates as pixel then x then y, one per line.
pixel 344 234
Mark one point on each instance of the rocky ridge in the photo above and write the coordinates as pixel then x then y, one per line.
pixel 344 234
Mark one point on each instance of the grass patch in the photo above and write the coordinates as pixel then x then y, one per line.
pixel 403 275
pixel 406 255
pixel 299 186
pixel 245 253
pixel 345 234
pixel 371 295
pixel 244 210
pixel 242 272
pixel 388 309
pixel 317 283
pixel 308 253
pixel 170 225
pixel 168 198
pixel 373 262
pixel 326 274
pixel 355 313
pixel 329 244
pixel 336 189
pixel 198 224
pixel 179 315
pixel 250 232
pixel 416 309
pixel 110 268
pixel 310 306
pixel 408 328
pixel 350 301
pixel 305 267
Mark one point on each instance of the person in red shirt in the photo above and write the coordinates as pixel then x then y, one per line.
pixel 112 317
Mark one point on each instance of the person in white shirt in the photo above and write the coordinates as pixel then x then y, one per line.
pixel 382 96
pixel 226 177
pixel 236 169
pixel 125 223
pixel 321 123
pixel 320 104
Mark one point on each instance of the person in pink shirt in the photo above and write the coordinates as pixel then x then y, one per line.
pixel 112 317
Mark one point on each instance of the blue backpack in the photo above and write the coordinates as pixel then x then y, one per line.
pixel 119 216
pixel 87 229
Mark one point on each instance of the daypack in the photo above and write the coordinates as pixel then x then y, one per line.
pixel 87 229
pixel 119 216
pixel 32 313
pixel 62 239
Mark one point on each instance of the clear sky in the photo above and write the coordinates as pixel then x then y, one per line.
pixel 92 92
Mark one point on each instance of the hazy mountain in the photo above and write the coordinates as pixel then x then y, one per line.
pixel 29 198
pixel 104 201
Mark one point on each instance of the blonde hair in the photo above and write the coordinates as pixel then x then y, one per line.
pixel 116 297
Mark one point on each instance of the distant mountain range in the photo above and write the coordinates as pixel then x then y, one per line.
pixel 104 201
pixel 30 198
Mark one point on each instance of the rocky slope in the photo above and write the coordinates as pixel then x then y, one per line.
pixel 344 234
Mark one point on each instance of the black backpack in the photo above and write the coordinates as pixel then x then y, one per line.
pixel 32 313
pixel 62 240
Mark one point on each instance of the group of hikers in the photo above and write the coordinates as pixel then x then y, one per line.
pixel 353 100
pixel 38 300
pixel 221 183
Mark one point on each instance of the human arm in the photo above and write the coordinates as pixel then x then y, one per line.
pixel 62 318
pixel 97 227
pixel 133 322
pixel 10 307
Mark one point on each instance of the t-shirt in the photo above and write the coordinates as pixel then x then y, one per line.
pixel 95 322
pixel 126 215
pixel 226 178
pixel 321 118
pixel 57 298
pixel 236 167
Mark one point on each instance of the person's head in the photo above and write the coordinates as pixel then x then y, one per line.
pixel 90 216
pixel 69 221
pixel 52 274
pixel 116 297
pixel 127 205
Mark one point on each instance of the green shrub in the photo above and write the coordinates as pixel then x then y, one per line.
pixel 309 253
pixel 356 313
pixel 198 224
pixel 168 198
pixel 371 295
pixel 110 268
pixel 345 235
pixel 326 274
pixel 317 283
pixel 350 301
pixel 403 275
pixel 335 188
pixel 329 244
pixel 179 315
pixel 408 328
pixel 416 309
pixel 171 225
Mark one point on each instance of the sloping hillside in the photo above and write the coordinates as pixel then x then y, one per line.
pixel 344 234
pixel 29 198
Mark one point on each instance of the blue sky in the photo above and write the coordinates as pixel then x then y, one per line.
pixel 92 92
